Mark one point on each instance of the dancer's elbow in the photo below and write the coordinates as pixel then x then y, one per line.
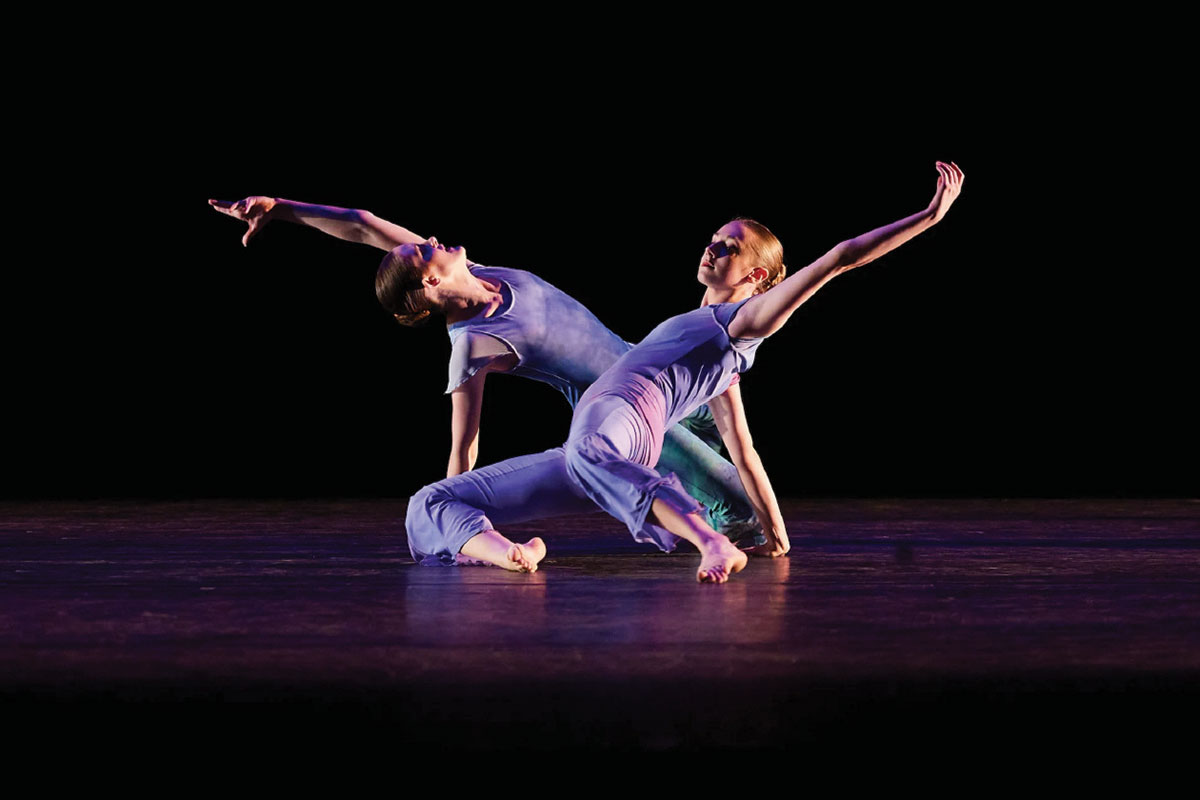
pixel 364 224
pixel 741 448
pixel 845 255
pixel 461 460
pixel 745 459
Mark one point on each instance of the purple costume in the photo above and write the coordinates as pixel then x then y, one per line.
pixel 617 431
pixel 617 435
pixel 559 342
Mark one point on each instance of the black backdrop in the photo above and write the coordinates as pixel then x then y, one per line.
pixel 1038 342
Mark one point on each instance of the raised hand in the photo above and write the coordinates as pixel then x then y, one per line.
pixel 255 211
pixel 950 181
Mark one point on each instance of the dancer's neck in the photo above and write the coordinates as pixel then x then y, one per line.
pixel 713 295
pixel 473 297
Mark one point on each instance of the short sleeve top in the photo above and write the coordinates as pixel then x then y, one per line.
pixel 690 358
pixel 554 337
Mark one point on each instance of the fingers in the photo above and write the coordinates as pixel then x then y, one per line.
pixel 240 209
pixel 224 206
pixel 951 172
pixel 252 227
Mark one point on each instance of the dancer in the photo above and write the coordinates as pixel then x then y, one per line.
pixel 506 321
pixel 618 425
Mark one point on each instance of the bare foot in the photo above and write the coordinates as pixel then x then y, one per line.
pixel 535 550
pixel 526 557
pixel 719 559
pixel 492 547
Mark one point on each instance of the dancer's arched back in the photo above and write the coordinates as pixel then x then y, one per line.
pixel 617 428
pixel 501 321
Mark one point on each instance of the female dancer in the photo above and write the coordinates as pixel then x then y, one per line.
pixel 503 320
pixel 617 429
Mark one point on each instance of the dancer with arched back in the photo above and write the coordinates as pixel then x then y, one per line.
pixel 618 426
pixel 505 321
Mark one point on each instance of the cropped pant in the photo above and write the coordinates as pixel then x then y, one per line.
pixel 605 464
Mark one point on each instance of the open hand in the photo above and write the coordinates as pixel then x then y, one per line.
pixel 255 211
pixel 950 181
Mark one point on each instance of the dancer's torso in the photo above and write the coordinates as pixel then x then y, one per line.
pixel 687 360
pixel 555 338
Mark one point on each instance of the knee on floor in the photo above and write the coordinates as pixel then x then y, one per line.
pixel 421 504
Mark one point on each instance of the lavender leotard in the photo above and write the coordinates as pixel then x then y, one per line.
pixel 559 342
pixel 617 433
pixel 618 427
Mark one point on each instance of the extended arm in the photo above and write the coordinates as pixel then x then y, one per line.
pixel 350 224
pixel 467 401
pixel 730 415
pixel 766 313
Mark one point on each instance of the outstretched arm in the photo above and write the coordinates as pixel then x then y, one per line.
pixel 350 224
pixel 467 401
pixel 766 313
pixel 730 415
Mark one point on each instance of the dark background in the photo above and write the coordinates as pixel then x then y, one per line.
pixel 1038 342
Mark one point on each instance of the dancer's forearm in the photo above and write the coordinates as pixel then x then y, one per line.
pixel 866 248
pixel 462 459
pixel 349 224
pixel 466 410
pixel 762 498
pixel 730 416
pixel 766 313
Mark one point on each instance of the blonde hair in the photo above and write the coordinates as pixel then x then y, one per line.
pixel 767 250
pixel 399 289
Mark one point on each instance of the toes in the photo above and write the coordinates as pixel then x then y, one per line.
pixel 517 556
pixel 715 574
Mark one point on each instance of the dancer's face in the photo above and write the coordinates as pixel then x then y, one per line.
pixel 727 262
pixel 434 257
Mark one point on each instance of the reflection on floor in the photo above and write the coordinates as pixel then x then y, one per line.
pixel 968 621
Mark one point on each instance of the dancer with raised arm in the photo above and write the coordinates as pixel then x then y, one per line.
pixel 618 426
pixel 505 321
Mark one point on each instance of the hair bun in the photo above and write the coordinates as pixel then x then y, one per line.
pixel 413 319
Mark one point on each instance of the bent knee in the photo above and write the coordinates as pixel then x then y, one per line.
pixel 421 504
pixel 585 450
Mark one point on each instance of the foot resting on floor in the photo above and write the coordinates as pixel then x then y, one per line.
pixel 526 557
pixel 492 547
pixel 719 559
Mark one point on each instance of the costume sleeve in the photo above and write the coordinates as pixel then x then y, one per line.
pixel 725 312
pixel 471 352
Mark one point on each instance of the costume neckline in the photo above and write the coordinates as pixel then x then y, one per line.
pixel 507 300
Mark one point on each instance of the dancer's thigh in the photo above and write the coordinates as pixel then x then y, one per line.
pixel 522 488
pixel 706 475
pixel 633 431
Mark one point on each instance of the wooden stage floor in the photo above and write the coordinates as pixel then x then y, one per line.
pixel 972 623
